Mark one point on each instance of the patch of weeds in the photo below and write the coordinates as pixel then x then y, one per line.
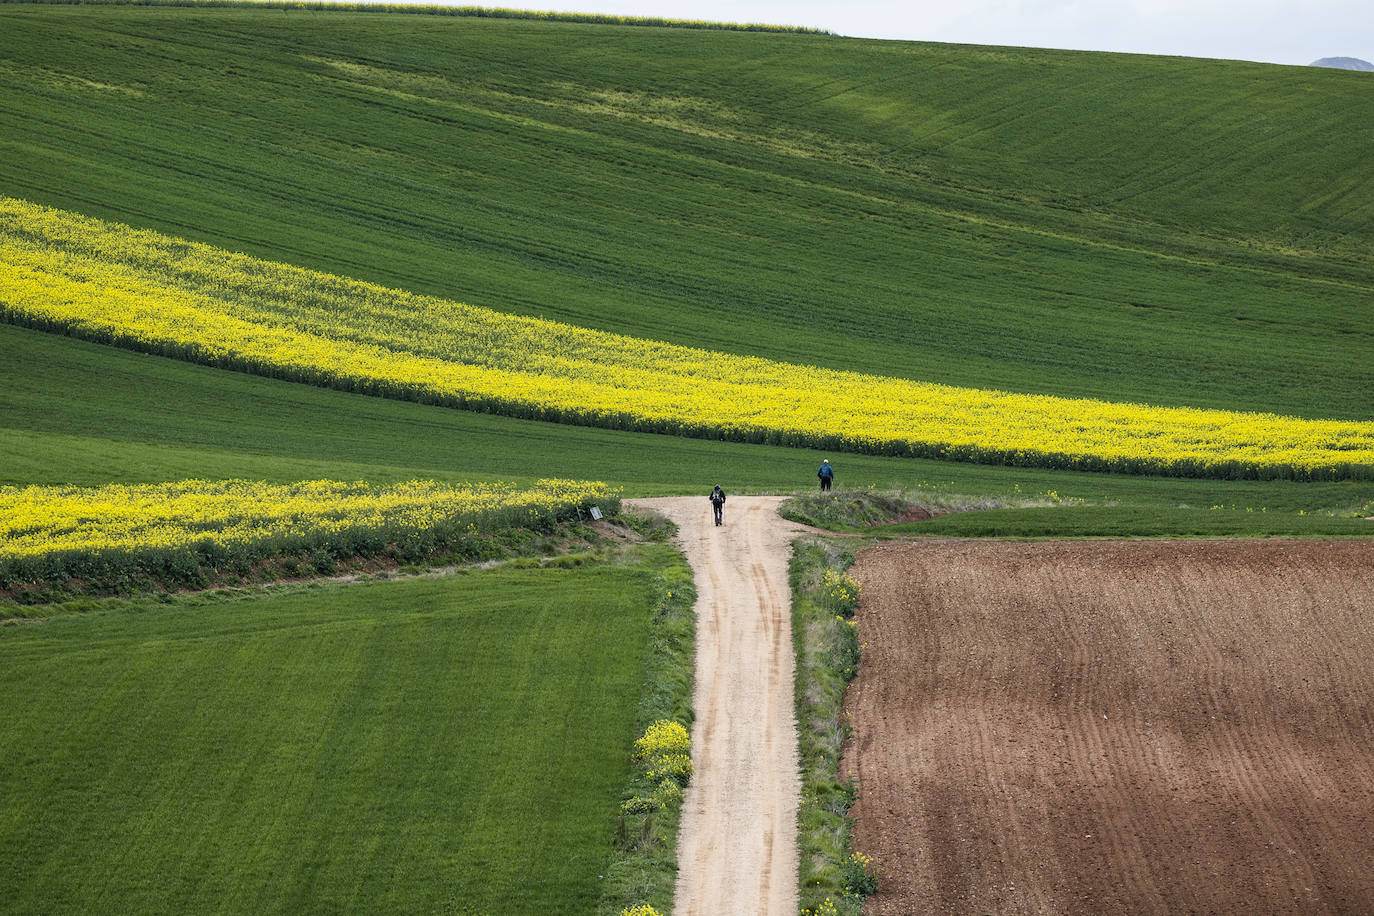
pixel 648 526
pixel 824 599
pixel 571 560
pixel 863 510
pixel 857 510
pixel 839 592
pixel 322 561
pixel 860 875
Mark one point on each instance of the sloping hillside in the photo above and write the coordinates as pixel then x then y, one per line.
pixel 1171 231
pixel 146 291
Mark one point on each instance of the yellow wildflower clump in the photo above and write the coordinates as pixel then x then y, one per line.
pixel 671 766
pixel 663 754
pixel 663 737
pixel 860 874
pixel 841 591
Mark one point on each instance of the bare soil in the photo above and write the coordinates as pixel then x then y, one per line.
pixel 1117 727
pixel 913 514
pixel 737 846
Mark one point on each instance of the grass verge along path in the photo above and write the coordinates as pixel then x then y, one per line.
pixel 824 598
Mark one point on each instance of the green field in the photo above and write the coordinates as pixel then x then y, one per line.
pixel 450 745
pixel 1123 227
pixel 1171 231
pixel 76 412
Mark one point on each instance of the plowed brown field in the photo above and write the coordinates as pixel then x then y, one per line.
pixel 1117 727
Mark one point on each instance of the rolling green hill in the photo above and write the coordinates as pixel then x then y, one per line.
pixel 153 293
pixel 1162 230
pixel 1177 232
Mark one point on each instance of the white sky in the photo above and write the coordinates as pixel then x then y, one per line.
pixel 1275 31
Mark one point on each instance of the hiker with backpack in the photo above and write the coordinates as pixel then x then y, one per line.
pixel 718 503
pixel 826 474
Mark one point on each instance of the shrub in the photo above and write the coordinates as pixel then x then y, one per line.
pixel 661 738
pixel 841 592
pixel 860 874
pixel 640 805
pixel 670 766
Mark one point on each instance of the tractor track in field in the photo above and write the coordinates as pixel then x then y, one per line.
pixel 737 849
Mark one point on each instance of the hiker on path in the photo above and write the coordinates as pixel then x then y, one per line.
pixel 718 503
pixel 826 474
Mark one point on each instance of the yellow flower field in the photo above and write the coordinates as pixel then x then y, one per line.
pixel 151 292
pixel 49 532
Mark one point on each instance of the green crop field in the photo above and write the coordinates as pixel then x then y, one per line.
pixel 1165 231
pixel 450 745
pixel 76 412
pixel 1176 232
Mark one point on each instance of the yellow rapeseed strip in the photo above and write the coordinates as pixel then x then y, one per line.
pixel 147 291
pixel 256 519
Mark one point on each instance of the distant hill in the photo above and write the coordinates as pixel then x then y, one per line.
pixel 1343 63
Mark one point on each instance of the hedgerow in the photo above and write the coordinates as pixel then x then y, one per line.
pixel 642 872
pixel 184 534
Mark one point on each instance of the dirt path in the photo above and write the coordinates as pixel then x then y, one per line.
pixel 737 850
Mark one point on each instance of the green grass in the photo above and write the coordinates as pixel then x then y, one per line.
pixel 450 745
pixel 1134 521
pixel 1123 227
pixel 75 412
pixel 827 658
pixel 877 513
pixel 484 12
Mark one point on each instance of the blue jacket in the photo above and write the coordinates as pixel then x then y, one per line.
pixel 826 472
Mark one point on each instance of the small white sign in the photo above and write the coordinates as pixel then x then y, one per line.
pixel 596 513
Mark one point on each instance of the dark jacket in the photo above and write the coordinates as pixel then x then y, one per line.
pixel 717 496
